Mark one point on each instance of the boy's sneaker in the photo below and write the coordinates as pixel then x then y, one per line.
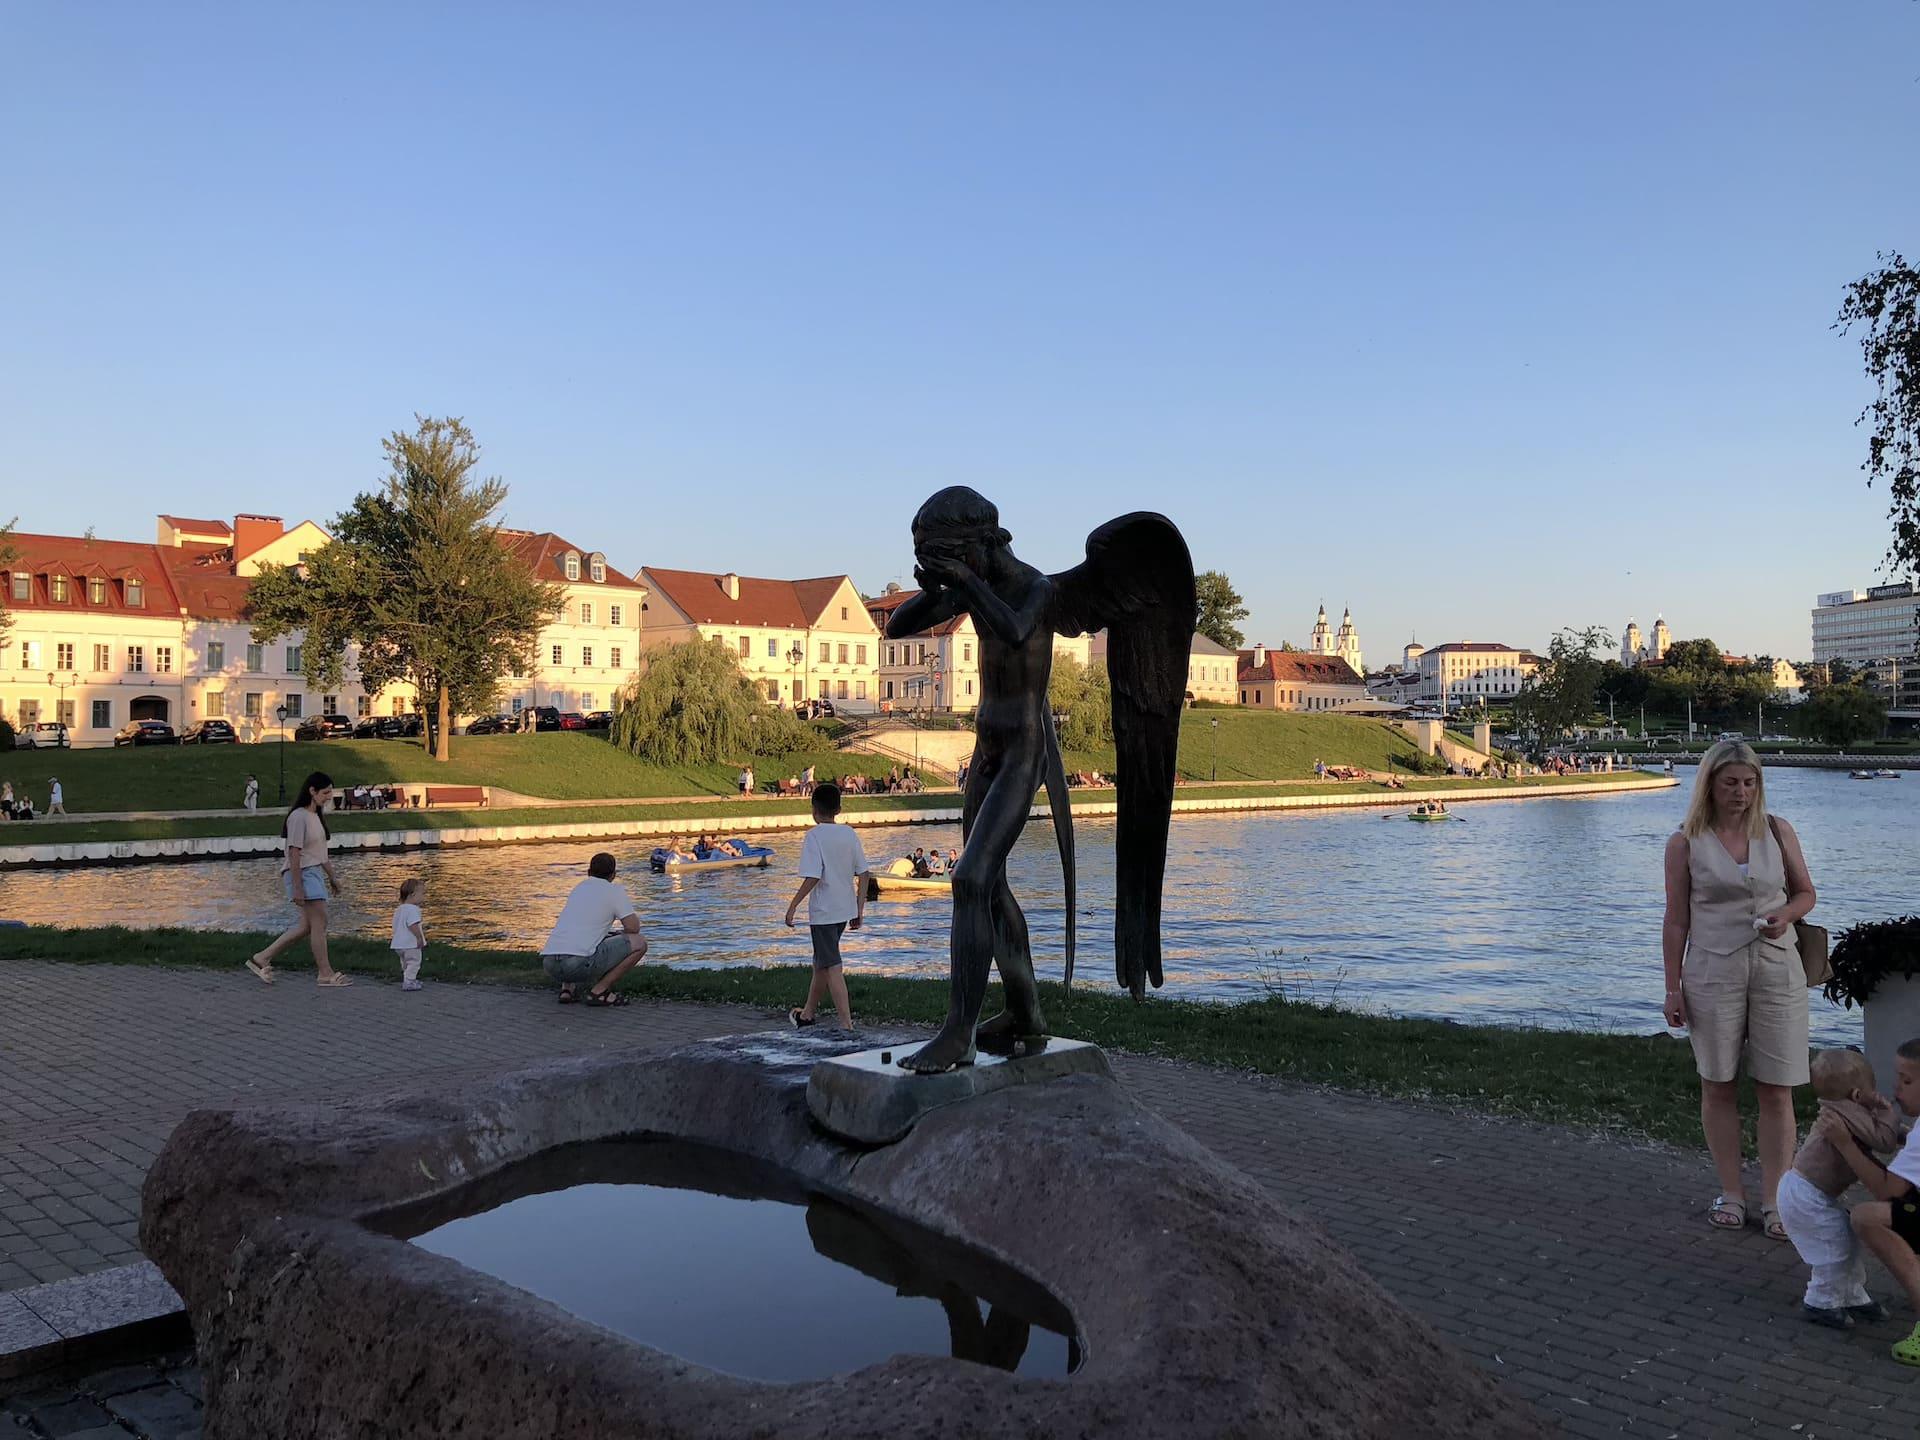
pixel 800 1022
pixel 1871 1313
pixel 411 985
pixel 1838 1317
pixel 1907 1351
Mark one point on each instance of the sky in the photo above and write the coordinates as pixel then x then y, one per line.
pixel 1482 319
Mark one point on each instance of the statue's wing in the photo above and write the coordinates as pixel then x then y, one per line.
pixel 1137 585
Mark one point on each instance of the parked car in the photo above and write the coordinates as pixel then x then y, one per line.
pixel 47 735
pixel 490 725
pixel 377 727
pixel 572 720
pixel 410 726
pixel 599 719
pixel 540 717
pixel 211 732
pixel 145 732
pixel 323 727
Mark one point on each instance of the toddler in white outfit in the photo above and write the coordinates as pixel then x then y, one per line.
pixel 409 932
pixel 1810 1207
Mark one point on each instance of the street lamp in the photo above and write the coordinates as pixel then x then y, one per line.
pixel 59 688
pixel 280 714
pixel 795 655
pixel 1216 747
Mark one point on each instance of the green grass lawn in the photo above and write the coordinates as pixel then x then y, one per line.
pixel 701 812
pixel 1264 745
pixel 1641 1086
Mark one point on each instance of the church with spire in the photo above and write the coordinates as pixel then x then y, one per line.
pixel 1637 650
pixel 1345 643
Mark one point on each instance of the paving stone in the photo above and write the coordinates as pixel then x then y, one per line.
pixel 70 1417
pixel 120 1381
pixel 159 1412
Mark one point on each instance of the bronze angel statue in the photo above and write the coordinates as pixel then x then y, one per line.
pixel 1137 584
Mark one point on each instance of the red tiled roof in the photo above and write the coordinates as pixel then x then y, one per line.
pixel 199 527
pixel 42 556
pixel 544 553
pixel 1300 668
pixel 701 596
pixel 887 604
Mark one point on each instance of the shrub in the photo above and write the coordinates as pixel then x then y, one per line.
pixel 6 736
pixel 1868 953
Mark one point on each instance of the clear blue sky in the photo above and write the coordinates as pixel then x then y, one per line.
pixel 1481 318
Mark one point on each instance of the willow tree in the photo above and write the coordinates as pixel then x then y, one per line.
pixel 1884 307
pixel 691 705
pixel 417 582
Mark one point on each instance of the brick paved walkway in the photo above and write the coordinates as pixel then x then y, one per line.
pixel 1580 1271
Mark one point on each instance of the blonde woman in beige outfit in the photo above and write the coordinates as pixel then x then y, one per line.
pixel 1736 882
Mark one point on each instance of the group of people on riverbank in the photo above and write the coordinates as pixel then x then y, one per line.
pixel 20 807
pixel 1737 951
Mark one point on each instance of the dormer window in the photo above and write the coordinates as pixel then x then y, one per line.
pixel 573 564
pixel 59 589
pixel 597 567
pixel 136 593
pixel 96 591
pixel 22 585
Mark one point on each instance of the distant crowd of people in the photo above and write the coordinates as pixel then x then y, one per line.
pixel 20 807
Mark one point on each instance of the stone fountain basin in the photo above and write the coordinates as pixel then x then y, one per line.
pixel 1203 1307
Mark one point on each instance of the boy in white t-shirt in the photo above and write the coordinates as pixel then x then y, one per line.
pixel 833 882
pixel 1890 1222
pixel 409 932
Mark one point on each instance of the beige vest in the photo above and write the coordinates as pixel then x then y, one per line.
pixel 1725 903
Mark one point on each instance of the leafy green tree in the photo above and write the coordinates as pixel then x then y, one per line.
pixel 1221 609
pixel 1842 715
pixel 691 705
pixel 1885 306
pixel 8 554
pixel 1080 695
pixel 1560 695
pixel 417 580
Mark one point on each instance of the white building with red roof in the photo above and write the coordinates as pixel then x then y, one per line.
pixel 592 647
pixel 795 639
pixel 1298 680
pixel 939 669
pixel 1465 672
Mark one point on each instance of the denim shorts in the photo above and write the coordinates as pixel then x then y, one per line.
pixel 826 944
pixel 585 969
pixel 313 884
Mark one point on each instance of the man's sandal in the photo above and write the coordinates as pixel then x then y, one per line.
pixel 1770 1223
pixel 1727 1212
pixel 603 998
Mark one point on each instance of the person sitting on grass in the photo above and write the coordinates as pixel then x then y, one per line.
pixel 1810 1193
pixel 833 882
pixel 1890 1222
pixel 580 951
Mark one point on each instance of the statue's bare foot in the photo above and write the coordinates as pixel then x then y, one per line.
pixel 951 1047
pixel 1011 1034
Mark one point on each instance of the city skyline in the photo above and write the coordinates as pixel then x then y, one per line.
pixel 1447 317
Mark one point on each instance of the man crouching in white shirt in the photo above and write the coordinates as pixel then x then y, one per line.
pixel 580 951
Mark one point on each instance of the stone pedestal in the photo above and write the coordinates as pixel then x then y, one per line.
pixel 867 1098
pixel 1892 1019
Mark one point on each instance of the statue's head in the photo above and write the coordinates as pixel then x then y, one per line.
pixel 961 524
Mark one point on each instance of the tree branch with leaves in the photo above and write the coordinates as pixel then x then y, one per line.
pixel 1884 307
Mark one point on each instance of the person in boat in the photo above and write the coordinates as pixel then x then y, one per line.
pixel 919 859
pixel 728 849
pixel 936 864
pixel 703 848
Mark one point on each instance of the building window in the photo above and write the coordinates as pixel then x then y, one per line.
pixel 103 657
pixel 746 647
pixel 613 657
pixel 859 654
pixel 256 659
pixel 64 712
pixel 614 613
pixel 363 705
pixel 586 696
pixel 889 654
pixel 826 653
pixel 843 690
pixel 399 705
pixel 966 651
pixel 586 612
pixel 859 689
pixel 825 690
pixel 586 654
pixel 103 715
pixel 296 705
pixel 163 660
pixel 59 589
pixel 886 690
pixel 573 565
pixel 22 586
pixel 556 655
pixel 136 594
pixel 216 704
pixel 843 612
pixel 136 659
pixel 63 657
pixel 599 571
pixel 96 591
pixel 969 688
pixel 329 704
pixel 216 655
pixel 250 705
pixel 296 659
pixel 773 648
pixel 29 714
pixel 843 654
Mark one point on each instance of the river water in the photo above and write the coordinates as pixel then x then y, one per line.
pixel 1539 911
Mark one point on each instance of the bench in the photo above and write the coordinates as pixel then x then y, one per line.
pixel 469 795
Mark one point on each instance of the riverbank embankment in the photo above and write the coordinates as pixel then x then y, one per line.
pixel 755 816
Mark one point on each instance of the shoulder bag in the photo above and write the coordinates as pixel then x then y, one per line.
pixel 1812 938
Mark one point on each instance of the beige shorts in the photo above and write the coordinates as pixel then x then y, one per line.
pixel 1754 1000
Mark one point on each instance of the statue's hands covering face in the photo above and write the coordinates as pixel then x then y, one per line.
pixel 942 564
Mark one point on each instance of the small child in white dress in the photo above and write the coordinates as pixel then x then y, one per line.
pixel 409 932
pixel 1810 1208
